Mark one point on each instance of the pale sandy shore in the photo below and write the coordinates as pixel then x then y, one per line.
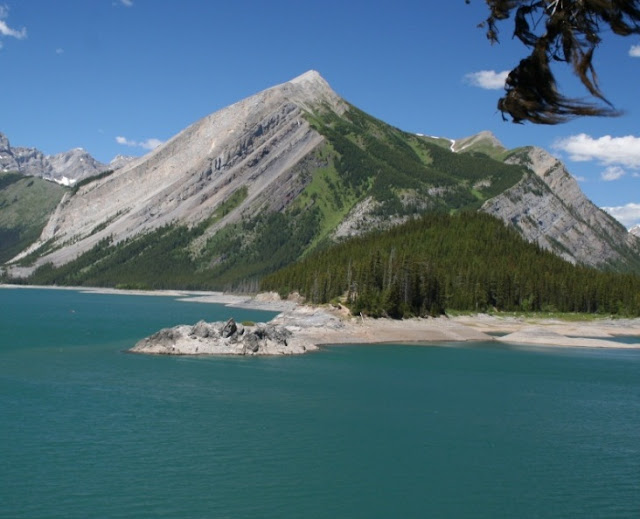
pixel 599 333
pixel 331 325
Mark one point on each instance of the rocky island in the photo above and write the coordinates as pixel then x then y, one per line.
pixel 224 338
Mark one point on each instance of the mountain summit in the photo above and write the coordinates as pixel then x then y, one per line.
pixel 253 143
pixel 65 168
pixel 258 184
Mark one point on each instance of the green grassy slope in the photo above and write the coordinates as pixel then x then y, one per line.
pixel 25 206
pixel 404 172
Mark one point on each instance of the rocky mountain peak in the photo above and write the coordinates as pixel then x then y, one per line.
pixel 310 89
pixel 635 230
pixel 66 168
pixel 71 166
pixel 312 76
pixel 478 142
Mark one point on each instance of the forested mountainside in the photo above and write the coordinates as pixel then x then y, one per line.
pixel 294 169
pixel 439 262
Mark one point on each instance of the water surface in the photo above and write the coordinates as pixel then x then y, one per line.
pixel 451 430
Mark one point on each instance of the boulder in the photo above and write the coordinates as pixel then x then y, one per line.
pixel 228 329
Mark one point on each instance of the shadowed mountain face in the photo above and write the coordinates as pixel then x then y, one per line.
pixel 258 184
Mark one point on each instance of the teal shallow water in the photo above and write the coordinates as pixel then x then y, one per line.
pixel 475 430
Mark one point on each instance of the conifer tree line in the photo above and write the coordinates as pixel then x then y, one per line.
pixel 440 262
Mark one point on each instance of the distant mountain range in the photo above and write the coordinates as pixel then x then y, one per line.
pixel 64 168
pixel 259 184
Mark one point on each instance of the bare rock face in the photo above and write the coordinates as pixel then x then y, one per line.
pixel 223 338
pixel 8 161
pixel 548 207
pixel 635 230
pixel 254 144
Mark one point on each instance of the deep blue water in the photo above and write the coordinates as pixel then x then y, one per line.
pixel 450 430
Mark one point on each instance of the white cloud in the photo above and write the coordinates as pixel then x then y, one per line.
pixel 634 51
pixel 127 3
pixel 607 150
pixel 487 79
pixel 627 215
pixel 612 173
pixel 148 144
pixel 5 30
pixel 125 141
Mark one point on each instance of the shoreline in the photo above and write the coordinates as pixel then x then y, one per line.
pixel 328 325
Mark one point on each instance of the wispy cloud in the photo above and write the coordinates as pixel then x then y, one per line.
pixel 634 51
pixel 607 150
pixel 5 30
pixel 487 79
pixel 612 173
pixel 127 3
pixel 148 144
pixel 628 214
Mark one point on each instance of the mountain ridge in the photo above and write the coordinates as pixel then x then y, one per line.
pixel 65 168
pixel 178 181
pixel 293 163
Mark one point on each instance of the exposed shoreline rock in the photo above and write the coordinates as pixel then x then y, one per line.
pixel 224 338
pixel 312 327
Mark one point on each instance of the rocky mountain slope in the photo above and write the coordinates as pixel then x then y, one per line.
pixel 258 184
pixel 254 144
pixel 549 208
pixel 64 168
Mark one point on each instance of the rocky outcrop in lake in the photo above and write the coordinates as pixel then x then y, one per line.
pixel 223 338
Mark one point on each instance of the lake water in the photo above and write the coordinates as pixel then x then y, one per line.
pixel 452 430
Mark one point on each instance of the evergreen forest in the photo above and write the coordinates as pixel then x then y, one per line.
pixel 440 262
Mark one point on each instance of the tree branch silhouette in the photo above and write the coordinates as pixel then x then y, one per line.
pixel 566 31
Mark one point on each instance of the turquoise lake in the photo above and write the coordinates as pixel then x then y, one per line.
pixel 477 430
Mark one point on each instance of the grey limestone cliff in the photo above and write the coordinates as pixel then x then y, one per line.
pixel 548 208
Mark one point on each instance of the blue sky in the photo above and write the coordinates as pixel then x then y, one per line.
pixel 120 76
